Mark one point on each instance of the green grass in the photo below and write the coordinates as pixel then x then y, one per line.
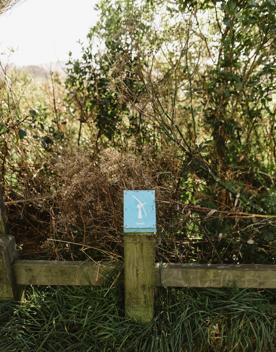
pixel 91 319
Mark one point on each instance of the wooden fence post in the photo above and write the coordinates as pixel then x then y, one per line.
pixel 2 215
pixel 139 276
pixel 7 256
pixel 139 247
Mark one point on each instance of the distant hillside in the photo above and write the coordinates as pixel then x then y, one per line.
pixel 42 72
pixel 36 72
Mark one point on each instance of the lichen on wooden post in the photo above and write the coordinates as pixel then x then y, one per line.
pixel 139 276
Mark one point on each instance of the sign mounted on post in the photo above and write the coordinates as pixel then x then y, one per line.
pixel 139 212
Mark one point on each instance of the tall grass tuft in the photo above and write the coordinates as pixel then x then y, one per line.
pixel 91 319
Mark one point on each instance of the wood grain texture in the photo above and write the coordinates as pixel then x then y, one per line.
pixel 211 275
pixel 7 256
pixel 139 276
pixel 47 273
pixel 43 272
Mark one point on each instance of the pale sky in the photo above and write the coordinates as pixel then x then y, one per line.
pixel 44 31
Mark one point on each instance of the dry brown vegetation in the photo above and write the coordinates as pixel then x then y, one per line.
pixel 6 4
pixel 83 215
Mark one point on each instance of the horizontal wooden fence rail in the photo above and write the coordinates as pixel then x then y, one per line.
pixel 43 272
pixel 15 274
pixel 141 274
pixel 216 275
pixel 61 273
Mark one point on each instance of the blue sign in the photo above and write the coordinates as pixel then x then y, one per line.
pixel 139 211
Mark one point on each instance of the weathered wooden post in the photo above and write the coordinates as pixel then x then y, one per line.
pixel 7 256
pixel 139 249
pixel 2 215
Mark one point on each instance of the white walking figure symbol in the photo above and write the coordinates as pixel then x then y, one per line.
pixel 141 209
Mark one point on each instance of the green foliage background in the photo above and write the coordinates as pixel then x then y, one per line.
pixel 178 96
pixel 197 76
